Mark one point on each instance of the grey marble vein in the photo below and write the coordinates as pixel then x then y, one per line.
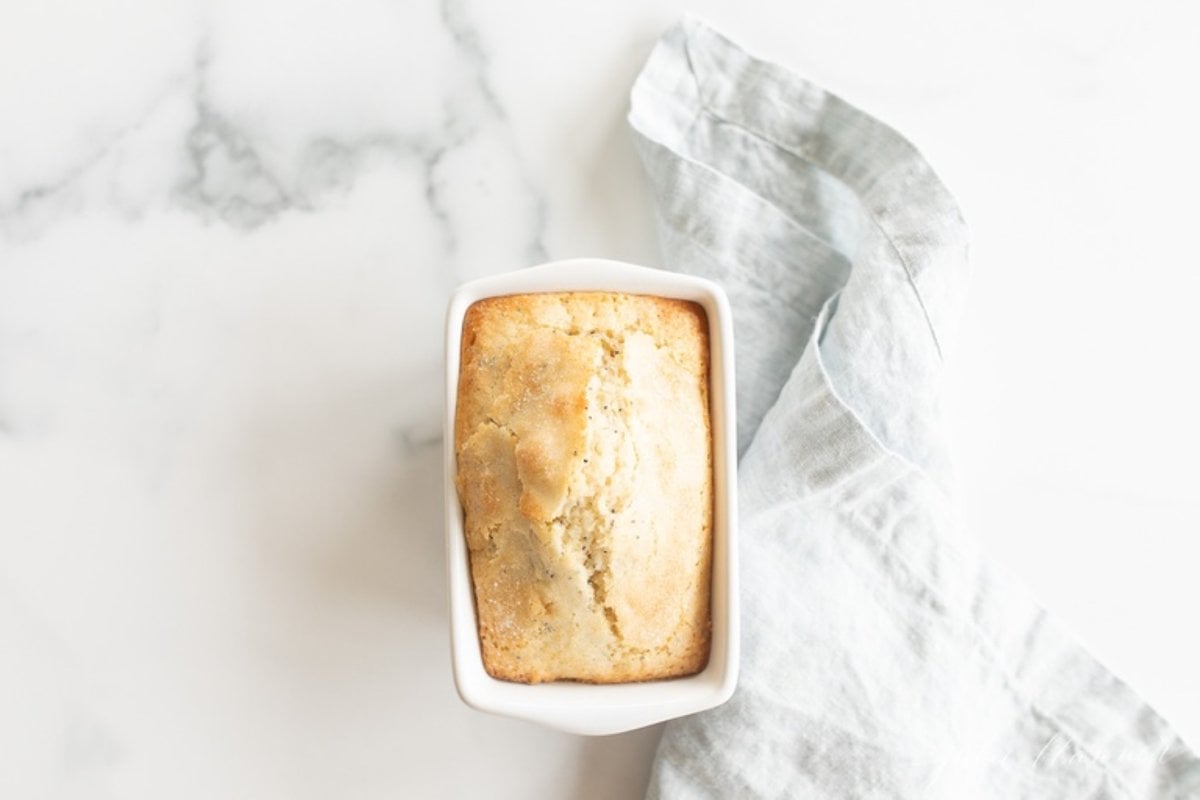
pixel 411 439
pixel 224 175
pixel 23 217
pixel 469 42
pixel 227 177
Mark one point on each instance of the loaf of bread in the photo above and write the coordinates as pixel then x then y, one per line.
pixel 584 468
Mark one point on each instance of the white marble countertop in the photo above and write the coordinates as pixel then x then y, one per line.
pixel 227 232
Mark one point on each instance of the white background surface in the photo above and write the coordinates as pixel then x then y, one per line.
pixel 227 232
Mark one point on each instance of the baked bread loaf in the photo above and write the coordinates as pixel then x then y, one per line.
pixel 584 470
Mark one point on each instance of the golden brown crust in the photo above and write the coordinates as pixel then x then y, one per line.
pixel 585 473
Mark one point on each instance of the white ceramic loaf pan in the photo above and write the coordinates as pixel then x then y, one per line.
pixel 610 708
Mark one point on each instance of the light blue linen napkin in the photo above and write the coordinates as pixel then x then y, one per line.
pixel 880 657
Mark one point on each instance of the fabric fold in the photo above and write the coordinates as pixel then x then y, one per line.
pixel 880 656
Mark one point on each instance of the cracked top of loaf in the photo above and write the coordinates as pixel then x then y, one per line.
pixel 585 473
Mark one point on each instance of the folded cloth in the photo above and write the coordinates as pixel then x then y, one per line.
pixel 880 657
